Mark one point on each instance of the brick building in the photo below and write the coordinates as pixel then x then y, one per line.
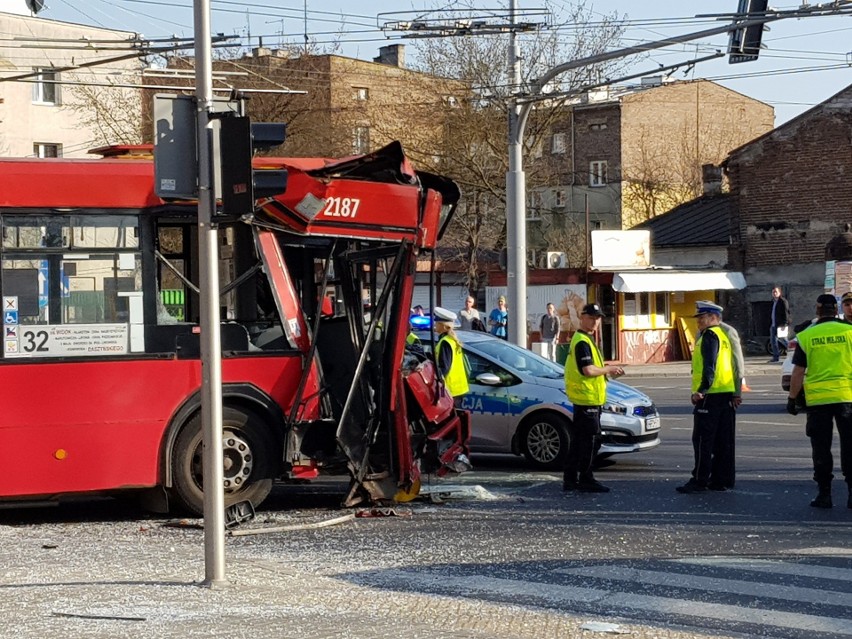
pixel 345 106
pixel 792 192
pixel 633 154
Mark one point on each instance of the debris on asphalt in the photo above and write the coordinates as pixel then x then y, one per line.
pixel 439 494
pixel 381 512
pixel 275 529
pixel 183 523
pixel 238 513
pixel 73 615
pixel 603 626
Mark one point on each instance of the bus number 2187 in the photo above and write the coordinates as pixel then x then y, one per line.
pixel 341 207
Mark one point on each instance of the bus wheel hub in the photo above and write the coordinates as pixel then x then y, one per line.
pixel 238 461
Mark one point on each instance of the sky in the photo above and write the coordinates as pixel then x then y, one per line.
pixel 805 60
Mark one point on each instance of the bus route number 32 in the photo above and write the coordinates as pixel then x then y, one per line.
pixel 341 207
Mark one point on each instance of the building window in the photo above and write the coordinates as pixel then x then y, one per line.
pixel 662 310
pixel 557 144
pixel 647 311
pixel 534 206
pixel 47 150
pixel 637 310
pixel 45 87
pixel 362 94
pixel 559 198
pixel 597 126
pixel 361 139
pixel 597 173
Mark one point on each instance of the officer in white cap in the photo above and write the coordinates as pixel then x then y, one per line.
pixel 449 354
pixel 713 371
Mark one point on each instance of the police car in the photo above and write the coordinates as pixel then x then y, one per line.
pixel 518 405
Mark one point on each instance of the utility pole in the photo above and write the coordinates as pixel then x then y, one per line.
pixel 516 228
pixel 211 354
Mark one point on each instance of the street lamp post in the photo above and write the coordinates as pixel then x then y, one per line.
pixel 211 354
pixel 516 238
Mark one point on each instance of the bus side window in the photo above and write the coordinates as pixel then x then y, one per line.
pixel 94 288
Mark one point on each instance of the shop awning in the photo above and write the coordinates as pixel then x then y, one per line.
pixel 653 281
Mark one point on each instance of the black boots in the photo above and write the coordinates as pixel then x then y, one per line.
pixel 586 484
pixel 823 498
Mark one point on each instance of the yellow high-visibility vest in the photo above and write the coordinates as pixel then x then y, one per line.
pixel 582 389
pixel 828 348
pixel 456 377
pixel 723 380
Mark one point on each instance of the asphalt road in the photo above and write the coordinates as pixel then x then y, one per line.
pixel 497 552
pixel 755 561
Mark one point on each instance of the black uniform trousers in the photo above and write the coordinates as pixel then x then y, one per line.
pixel 820 428
pixel 712 440
pixel 585 443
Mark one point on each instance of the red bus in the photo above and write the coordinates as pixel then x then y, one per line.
pixel 100 367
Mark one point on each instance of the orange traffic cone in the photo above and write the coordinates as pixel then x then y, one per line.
pixel 745 387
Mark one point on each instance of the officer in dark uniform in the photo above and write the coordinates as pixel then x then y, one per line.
pixel 585 384
pixel 713 395
pixel 822 364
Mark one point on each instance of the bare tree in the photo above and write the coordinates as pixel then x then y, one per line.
pixel 113 113
pixel 475 144
pixel 662 162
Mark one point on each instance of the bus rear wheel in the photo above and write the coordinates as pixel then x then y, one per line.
pixel 250 456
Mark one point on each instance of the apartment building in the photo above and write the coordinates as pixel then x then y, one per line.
pixel 55 99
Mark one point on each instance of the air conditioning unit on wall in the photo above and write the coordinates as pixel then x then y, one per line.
pixel 556 260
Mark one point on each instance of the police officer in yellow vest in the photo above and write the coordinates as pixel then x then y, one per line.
pixel 822 364
pixel 449 354
pixel 585 384
pixel 713 396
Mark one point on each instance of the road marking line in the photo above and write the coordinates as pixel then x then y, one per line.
pixel 714 584
pixel 826 552
pixel 557 594
pixel 783 568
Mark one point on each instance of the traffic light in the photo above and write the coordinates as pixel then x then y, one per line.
pixel 242 185
pixel 745 43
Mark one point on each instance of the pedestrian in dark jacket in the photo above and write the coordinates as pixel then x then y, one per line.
pixel 779 321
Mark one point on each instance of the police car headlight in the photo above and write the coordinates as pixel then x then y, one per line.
pixel 615 408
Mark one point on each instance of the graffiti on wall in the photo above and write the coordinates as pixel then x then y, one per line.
pixel 646 347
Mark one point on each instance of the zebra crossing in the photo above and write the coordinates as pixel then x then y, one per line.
pixel 791 598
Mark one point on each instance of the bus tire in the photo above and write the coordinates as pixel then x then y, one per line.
pixel 250 453
pixel 545 441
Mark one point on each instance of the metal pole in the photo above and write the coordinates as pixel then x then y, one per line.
pixel 588 230
pixel 516 231
pixel 211 354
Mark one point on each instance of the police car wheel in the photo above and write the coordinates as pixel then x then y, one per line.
pixel 545 441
